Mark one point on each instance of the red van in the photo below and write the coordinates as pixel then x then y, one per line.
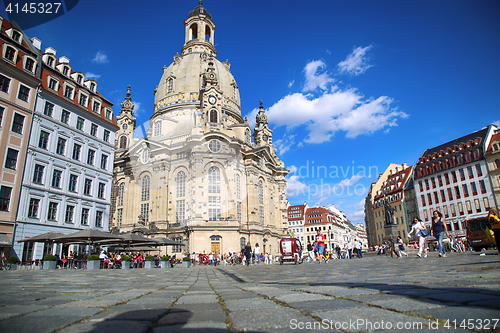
pixel 476 233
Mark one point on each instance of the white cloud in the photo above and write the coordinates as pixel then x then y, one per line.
pixel 283 145
pixel 137 108
pixel 315 80
pixel 497 123
pixel 356 63
pixel 100 58
pixel 290 84
pixel 339 110
pixel 294 187
pixel 94 76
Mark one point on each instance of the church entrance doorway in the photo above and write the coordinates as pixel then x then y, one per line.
pixel 215 244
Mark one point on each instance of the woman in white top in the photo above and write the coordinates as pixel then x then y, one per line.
pixel 417 227
pixel 256 251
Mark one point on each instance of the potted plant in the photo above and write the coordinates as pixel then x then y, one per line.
pixel 93 262
pixel 149 262
pixel 186 262
pixel 125 262
pixel 165 262
pixel 49 261
pixel 12 260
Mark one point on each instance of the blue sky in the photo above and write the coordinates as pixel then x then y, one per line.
pixel 348 85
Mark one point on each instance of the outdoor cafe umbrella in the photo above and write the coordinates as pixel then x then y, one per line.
pixel 86 236
pixel 47 237
pixel 128 240
pixel 166 241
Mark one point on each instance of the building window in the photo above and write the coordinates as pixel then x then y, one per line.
pixel 49 108
pixel 170 85
pixel 79 123
pixel 105 136
pixel 453 212
pixel 213 180
pixel 76 151
pixel 65 70
pixel 50 62
pixel 468 206
pixel 145 212
pixel 466 190
pixel 261 192
pixel 157 131
pixel 101 190
pixel 450 194
pixel 93 130
pixel 18 123
pixel 213 208
pixel 121 192
pixel 119 217
pixel 123 142
pixel 73 180
pixel 145 188
pixel 96 107
pixel 214 146
pixel 483 186
pixel 457 192
pixel 87 187
pixel 261 215
pixel 52 212
pixel 108 114
pixel 478 205
pixel 68 92
pixel 98 219
pixel 61 146
pixel 486 203
pixel 65 117
pixel 24 93
pixel 474 188
pixel 104 162
pixel 52 84
pixel 248 137
pixel 43 140
pixel 238 212
pixel 447 178
pixel 180 211
pixel 11 160
pixel 10 53
pixel 4 84
pixel 5 193
pixel 177 248
pixel 181 184
pixel 69 214
pixel 85 216
pixel 90 157
pixel 213 116
pixel 38 174
pixel 33 208
pixel 238 186
pixel 29 65
pixel 83 100
pixel 460 208
pixel 56 178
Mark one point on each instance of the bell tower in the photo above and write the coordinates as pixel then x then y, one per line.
pixel 262 135
pixel 199 31
pixel 126 121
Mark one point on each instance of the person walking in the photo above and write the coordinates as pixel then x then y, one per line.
pixel 256 251
pixel 401 246
pixel 438 230
pixel 494 223
pixel 393 248
pixel 248 253
pixel 320 238
pixel 417 227
pixel 359 248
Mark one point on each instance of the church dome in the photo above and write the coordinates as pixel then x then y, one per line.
pixel 182 81
pixel 200 10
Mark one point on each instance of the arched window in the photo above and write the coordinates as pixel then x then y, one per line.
pixel 170 85
pixel 213 116
pixel 208 33
pixel 243 242
pixel 261 192
pixel 238 186
pixel 123 141
pixel 181 184
pixel 213 180
pixel 194 31
pixel 495 147
pixel 497 163
pixel 157 128
pixel 248 137
pixel 145 188
pixel 121 191
pixel 145 155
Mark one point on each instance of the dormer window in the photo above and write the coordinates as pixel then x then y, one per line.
pixel 52 84
pixel 50 62
pixel 16 36
pixel 10 53
pixel 92 87
pixel 79 79
pixel 65 71
pixel 29 65
pixel 109 114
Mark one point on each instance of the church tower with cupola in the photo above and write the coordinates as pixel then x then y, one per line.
pixel 197 177
pixel 126 122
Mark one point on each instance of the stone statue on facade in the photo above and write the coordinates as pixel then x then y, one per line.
pixel 389 213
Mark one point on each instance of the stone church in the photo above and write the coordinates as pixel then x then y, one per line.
pixel 201 175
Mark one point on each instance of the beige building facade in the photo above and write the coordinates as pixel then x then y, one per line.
pixel 197 176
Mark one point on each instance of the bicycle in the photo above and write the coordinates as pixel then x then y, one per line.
pixel 4 265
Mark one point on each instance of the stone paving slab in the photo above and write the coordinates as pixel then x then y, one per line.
pixel 115 326
pixel 406 304
pixel 325 305
pixel 205 327
pixel 250 304
pixel 265 319
pixel 183 317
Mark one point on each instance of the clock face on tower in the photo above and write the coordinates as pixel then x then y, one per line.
pixel 264 138
pixel 212 99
